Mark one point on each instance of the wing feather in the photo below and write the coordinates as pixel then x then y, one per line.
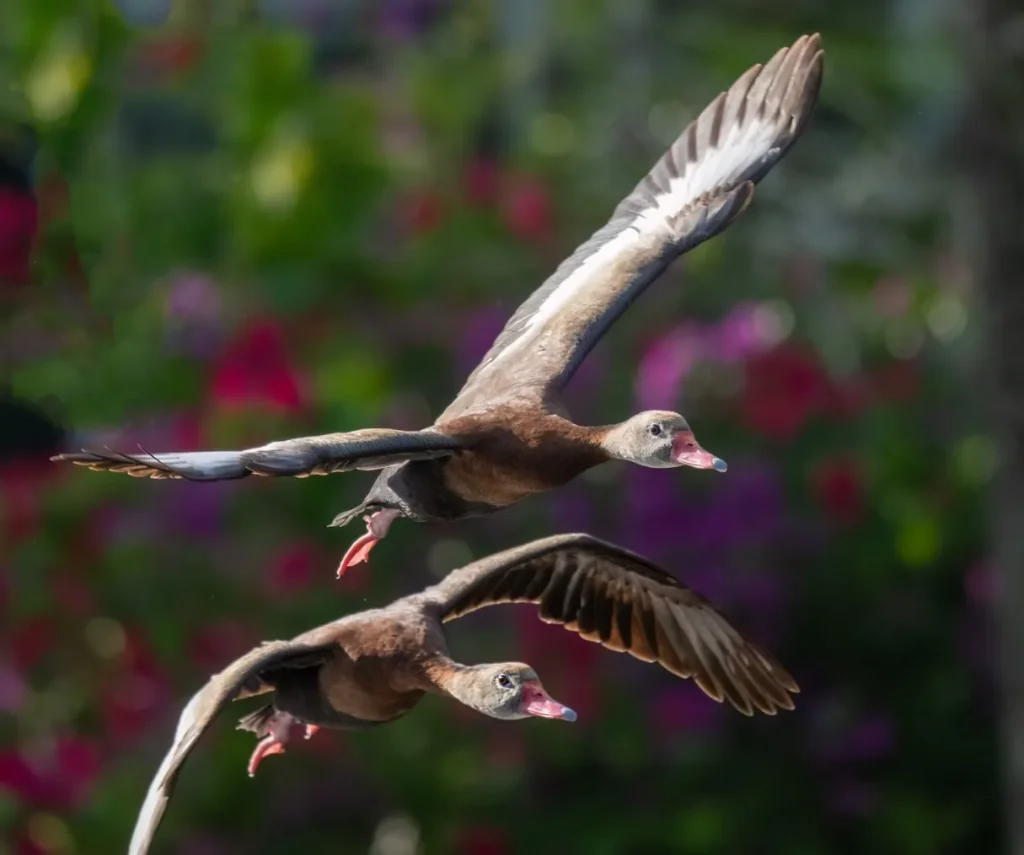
pixel 372 448
pixel 238 679
pixel 615 598
pixel 702 183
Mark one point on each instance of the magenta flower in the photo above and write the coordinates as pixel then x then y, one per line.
pixel 664 366
pixel 193 309
pixel 478 334
pixel 19 221
pixel 255 370
pixel 685 708
pixel 735 337
pixel 13 688
pixel 853 798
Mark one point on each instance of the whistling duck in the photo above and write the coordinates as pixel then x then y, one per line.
pixel 506 435
pixel 374 666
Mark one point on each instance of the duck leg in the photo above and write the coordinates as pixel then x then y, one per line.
pixel 276 731
pixel 377 525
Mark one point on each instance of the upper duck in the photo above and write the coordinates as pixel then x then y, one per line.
pixel 506 435
pixel 373 667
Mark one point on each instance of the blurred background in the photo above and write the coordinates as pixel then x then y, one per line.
pixel 225 223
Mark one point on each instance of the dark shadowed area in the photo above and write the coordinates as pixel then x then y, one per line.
pixel 225 223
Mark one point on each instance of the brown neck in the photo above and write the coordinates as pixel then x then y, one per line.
pixel 444 676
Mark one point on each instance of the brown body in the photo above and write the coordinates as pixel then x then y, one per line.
pixel 515 452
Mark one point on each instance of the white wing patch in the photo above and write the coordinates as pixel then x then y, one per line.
pixel 743 146
pixel 573 285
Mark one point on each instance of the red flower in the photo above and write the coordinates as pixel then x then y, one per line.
pixel 481 182
pixel 784 388
pixel 420 212
pixel 19 222
pixel 255 370
pixel 292 570
pixel 73 594
pixel 526 208
pixel 482 841
pixel 217 643
pixel 30 640
pixel 170 55
pixel 136 692
pixel 895 382
pixel 838 487
pixel 60 778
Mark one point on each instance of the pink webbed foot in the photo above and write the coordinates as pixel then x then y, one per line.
pixel 278 730
pixel 377 525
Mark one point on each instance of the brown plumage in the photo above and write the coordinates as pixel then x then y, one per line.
pixel 506 436
pixel 373 667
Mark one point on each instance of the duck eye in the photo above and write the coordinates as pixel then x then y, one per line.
pixel 504 681
pixel 655 429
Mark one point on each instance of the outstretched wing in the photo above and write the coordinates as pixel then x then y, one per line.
pixel 373 448
pixel 704 181
pixel 613 597
pixel 240 676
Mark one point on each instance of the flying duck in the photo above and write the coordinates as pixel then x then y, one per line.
pixel 374 666
pixel 507 435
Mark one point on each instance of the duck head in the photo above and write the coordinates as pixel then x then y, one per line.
pixel 659 440
pixel 509 690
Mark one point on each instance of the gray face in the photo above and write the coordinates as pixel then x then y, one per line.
pixel 512 690
pixel 505 687
pixel 651 437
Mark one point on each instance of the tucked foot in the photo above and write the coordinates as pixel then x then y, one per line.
pixel 278 728
pixel 377 525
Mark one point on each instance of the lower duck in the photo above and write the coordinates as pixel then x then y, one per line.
pixel 374 666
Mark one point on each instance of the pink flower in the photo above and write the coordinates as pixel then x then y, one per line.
pixel 980 584
pixel 736 336
pixel 665 364
pixel 13 689
pixel 255 371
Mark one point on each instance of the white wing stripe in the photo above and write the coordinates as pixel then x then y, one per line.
pixel 573 285
pixel 742 147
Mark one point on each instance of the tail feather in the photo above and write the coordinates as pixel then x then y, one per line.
pixel 190 466
pixel 345 517
pixel 256 722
